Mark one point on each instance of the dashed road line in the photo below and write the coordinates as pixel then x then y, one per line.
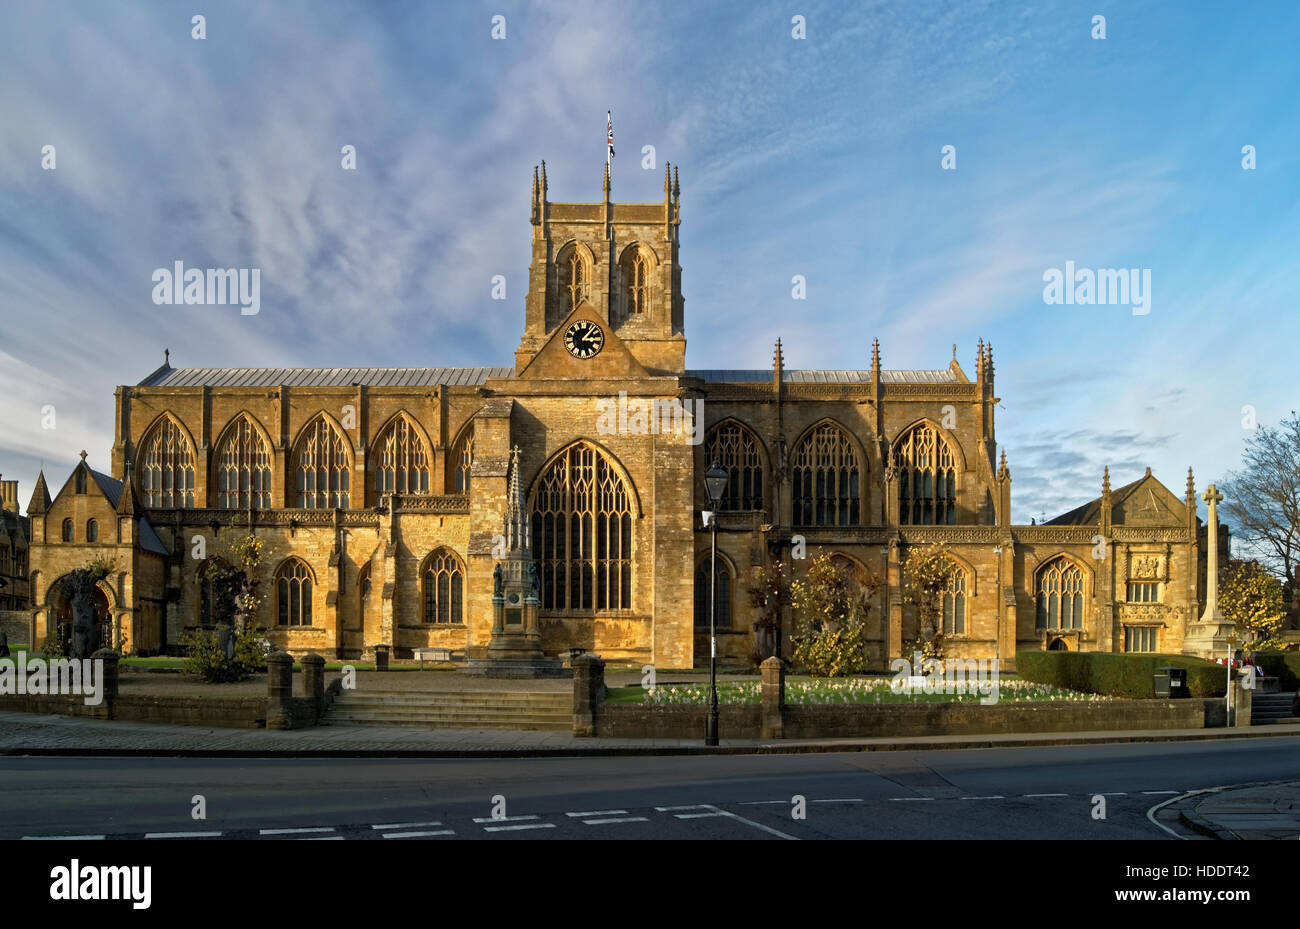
pixel 989 797
pixel 418 835
pixel 911 798
pixel 64 838
pixel 1044 795
pixel 403 825
pixel 519 826
pixel 181 835
pixel 615 819
pixel 295 831
pixel 597 813
pixel 503 819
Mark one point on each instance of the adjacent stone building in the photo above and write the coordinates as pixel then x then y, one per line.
pixel 380 493
pixel 15 534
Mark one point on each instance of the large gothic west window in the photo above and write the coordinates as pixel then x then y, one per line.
pixel 167 468
pixel 582 533
pixel 827 479
pixel 403 461
pixel 243 468
pixel 735 448
pixel 927 478
pixel 321 463
pixel 1060 595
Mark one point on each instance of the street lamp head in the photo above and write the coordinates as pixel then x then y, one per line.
pixel 715 483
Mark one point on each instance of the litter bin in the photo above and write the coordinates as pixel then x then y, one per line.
pixel 381 657
pixel 1171 683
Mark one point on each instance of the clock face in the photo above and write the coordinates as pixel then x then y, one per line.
pixel 584 339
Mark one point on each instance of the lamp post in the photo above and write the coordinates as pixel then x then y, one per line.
pixel 1227 695
pixel 715 485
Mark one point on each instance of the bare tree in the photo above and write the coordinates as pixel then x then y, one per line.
pixel 1262 500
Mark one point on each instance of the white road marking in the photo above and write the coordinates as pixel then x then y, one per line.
pixel 697 815
pixel 503 819
pixel 295 831
pixel 64 838
pixel 1044 795
pixel 762 802
pixel 1153 792
pixel 911 798
pixel 403 825
pixel 989 797
pixel 750 822
pixel 692 806
pixel 615 819
pixel 522 826
pixel 598 813
pixel 1118 793
pixel 322 838
pixel 418 835
pixel 180 835
pixel 847 800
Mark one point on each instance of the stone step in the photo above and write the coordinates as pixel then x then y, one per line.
pixel 1272 720
pixel 463 722
pixel 562 701
pixel 501 712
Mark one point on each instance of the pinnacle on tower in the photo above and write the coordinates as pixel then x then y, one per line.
pixel 875 354
pixel 1191 488
pixel 537 201
pixel 516 513
pixel 1105 482
pixel 1003 473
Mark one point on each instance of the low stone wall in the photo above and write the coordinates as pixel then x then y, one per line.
pixel 868 721
pixel 223 712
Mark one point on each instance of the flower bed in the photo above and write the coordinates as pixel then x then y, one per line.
pixel 872 690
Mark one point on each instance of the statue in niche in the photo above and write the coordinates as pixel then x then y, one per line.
pixel 497 586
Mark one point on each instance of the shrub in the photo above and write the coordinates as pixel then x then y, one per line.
pixel 1118 674
pixel 1285 666
pixel 209 661
pixel 830 607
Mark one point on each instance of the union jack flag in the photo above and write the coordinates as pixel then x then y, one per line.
pixel 609 125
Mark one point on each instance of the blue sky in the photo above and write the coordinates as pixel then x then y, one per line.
pixel 818 157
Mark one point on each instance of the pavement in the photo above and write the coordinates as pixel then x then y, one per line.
pixel 1257 811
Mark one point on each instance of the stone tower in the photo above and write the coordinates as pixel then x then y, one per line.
pixel 616 260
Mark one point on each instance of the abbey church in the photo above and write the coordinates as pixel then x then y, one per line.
pixel 379 494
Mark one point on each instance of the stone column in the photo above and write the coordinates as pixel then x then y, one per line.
pixel 108 677
pixel 279 691
pixel 588 693
pixel 313 679
pixel 1208 636
pixel 773 690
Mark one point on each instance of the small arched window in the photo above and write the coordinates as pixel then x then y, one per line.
pixel 92 530
pixel 954 603
pixel 67 530
pixel 293 594
pixel 1060 595
pixel 444 583
pixel 723 618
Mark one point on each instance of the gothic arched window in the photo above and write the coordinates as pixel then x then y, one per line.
pixel 826 478
pixel 636 282
pixel 321 463
pixel 722 620
pixel 459 463
pixel 92 530
pixel 403 461
pixel 167 467
pixel 735 448
pixel 574 278
pixel 243 468
pixel 927 478
pixel 444 582
pixel 954 603
pixel 1060 595
pixel 582 533
pixel 67 530
pixel 293 594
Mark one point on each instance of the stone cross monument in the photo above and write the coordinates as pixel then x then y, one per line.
pixel 1208 636
pixel 515 649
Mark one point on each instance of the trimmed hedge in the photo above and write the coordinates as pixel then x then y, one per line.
pixel 1118 674
pixel 1285 666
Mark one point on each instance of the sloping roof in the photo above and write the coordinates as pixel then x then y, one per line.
pixel 149 540
pixel 1090 513
pixel 827 376
pixel 111 486
pixel 322 377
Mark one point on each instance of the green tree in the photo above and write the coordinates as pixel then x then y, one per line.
pixel 927 572
pixel 1251 597
pixel 235 647
pixel 1262 500
pixel 831 604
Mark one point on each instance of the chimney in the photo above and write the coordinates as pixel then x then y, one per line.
pixel 9 496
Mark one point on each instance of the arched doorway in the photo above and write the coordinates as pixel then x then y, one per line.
pixel 1058 645
pixel 61 614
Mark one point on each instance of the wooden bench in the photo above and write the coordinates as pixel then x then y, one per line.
pixel 432 654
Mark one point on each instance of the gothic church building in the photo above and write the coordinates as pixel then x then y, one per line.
pixel 380 493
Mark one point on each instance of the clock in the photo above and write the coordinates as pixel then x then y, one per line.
pixel 584 339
